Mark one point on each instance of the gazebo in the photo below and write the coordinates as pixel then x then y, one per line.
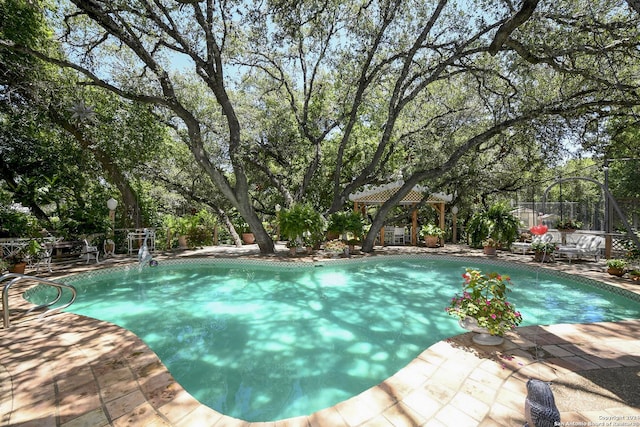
pixel 380 194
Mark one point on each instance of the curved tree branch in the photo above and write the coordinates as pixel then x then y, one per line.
pixel 505 30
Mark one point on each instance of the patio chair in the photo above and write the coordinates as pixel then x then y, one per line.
pixel 586 245
pixel 89 251
pixel 525 247
pixel 388 235
pixel 398 235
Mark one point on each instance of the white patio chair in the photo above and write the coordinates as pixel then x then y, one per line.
pixel 388 235
pixel 398 235
pixel 89 251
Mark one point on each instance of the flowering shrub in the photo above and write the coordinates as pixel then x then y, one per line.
pixel 335 246
pixel 547 247
pixel 484 299
pixel 490 242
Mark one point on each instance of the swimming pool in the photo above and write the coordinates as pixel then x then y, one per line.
pixel 264 342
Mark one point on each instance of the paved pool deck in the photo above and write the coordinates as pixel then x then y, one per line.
pixel 74 371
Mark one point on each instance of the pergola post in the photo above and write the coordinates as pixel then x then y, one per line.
pixel 441 215
pixel 414 226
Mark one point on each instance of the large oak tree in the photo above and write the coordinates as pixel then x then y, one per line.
pixel 421 84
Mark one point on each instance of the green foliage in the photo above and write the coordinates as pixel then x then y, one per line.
pixel 330 95
pixel 337 222
pixel 497 223
pixel 341 222
pixel 299 220
pixel 346 222
pixel 617 263
pixel 431 230
pixel 22 254
pixel 568 224
pixel 197 228
pixel 547 247
pixel 17 222
pixel 623 152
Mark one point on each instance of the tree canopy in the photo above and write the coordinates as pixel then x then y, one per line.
pixel 311 100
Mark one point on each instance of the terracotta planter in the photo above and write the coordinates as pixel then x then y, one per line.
pixel 616 271
pixel 431 241
pixel 490 250
pixel 18 268
pixel 248 238
pixel 541 256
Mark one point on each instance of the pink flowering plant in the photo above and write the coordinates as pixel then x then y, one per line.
pixel 484 299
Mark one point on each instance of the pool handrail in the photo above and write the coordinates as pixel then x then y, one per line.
pixel 15 277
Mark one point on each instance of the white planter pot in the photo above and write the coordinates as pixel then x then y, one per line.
pixel 482 335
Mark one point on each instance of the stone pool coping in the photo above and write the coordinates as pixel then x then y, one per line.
pixel 72 371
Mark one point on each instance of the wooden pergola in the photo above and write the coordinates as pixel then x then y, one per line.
pixel 380 194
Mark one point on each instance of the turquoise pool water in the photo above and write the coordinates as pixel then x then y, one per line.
pixel 265 342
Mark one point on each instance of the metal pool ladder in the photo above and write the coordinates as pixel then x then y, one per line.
pixel 13 278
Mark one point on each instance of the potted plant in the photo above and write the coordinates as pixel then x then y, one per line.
pixel 17 260
pixel 178 227
pixel 568 226
pixel 308 241
pixel 616 266
pixel 634 275
pixel 343 223
pixel 431 234
pixel 354 226
pixel 496 222
pixel 483 306
pixel 248 238
pixel 543 251
pixel 489 246
pixel 292 245
pixel 298 221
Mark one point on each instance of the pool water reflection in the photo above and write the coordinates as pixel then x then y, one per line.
pixel 263 343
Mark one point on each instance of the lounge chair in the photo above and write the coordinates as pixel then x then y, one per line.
pixel 586 245
pixel 525 247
